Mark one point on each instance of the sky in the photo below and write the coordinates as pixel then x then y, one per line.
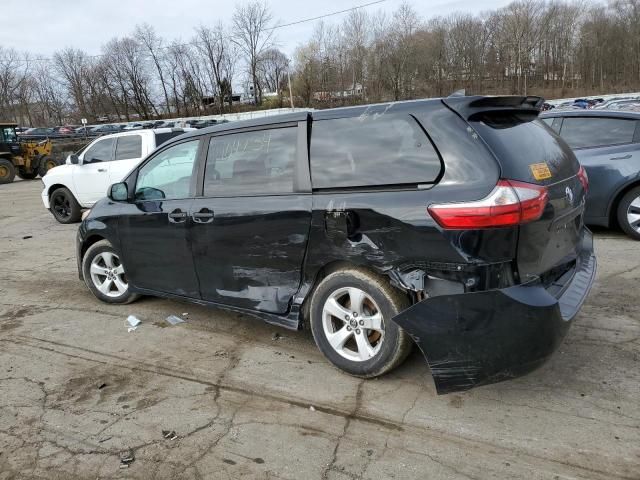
pixel 43 26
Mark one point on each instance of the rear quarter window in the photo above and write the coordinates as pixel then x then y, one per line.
pixel 368 151
pixel 165 136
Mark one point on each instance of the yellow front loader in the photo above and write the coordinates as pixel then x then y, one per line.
pixel 27 159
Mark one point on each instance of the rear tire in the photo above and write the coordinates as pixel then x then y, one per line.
pixel 7 171
pixel 343 337
pixel 629 213
pixel 64 206
pixel 104 274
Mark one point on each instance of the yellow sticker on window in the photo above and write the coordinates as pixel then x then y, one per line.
pixel 540 171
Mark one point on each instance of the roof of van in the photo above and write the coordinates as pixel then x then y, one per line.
pixel 378 108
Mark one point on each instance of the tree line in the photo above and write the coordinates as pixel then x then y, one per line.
pixel 552 48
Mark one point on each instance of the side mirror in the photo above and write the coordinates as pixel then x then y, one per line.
pixel 118 192
pixel 73 159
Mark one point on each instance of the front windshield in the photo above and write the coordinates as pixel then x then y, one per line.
pixel 9 135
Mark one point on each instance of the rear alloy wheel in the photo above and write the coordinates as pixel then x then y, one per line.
pixel 46 164
pixel 64 207
pixel 105 275
pixel 7 171
pixel 629 213
pixel 353 324
pixel 351 312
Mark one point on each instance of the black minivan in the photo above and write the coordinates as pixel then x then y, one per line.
pixel 454 223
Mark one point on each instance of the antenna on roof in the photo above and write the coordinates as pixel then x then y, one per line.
pixel 459 93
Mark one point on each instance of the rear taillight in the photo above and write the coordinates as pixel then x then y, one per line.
pixel 584 178
pixel 510 203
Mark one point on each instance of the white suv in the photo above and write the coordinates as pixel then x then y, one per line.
pixel 86 176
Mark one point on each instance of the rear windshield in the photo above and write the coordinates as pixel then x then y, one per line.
pixel 372 150
pixel 163 137
pixel 523 146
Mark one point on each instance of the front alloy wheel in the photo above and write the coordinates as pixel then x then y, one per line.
pixel 353 324
pixel 629 213
pixel 107 275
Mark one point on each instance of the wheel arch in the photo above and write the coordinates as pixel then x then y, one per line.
pixel 88 242
pixel 612 214
pixel 56 186
pixel 327 269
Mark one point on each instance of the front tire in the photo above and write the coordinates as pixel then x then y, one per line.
pixel 27 175
pixel 104 274
pixel 7 171
pixel 46 164
pixel 351 312
pixel 629 213
pixel 64 207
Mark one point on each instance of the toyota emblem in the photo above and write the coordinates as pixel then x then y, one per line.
pixel 569 194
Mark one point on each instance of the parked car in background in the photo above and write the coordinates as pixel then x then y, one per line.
pixel 86 176
pixel 67 130
pixel 607 144
pixel 104 129
pixel 132 126
pixel 455 223
pixel 85 129
pixel 38 132
pixel 610 104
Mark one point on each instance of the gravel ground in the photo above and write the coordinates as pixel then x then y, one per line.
pixel 77 390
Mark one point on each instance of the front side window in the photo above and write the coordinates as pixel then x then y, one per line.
pixel 371 151
pixel 101 151
pixel 168 175
pixel 580 132
pixel 129 146
pixel 251 163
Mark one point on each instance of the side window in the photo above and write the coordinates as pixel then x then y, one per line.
pixel 251 163
pixel 371 151
pixel 168 175
pixel 129 146
pixel 580 132
pixel 101 151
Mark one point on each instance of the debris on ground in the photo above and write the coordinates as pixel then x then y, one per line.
pixel 27 237
pixel 221 353
pixel 276 336
pixel 101 386
pixel 126 458
pixel 312 408
pixel 173 320
pixel 169 434
pixel 133 322
pixel 185 314
pixel 102 440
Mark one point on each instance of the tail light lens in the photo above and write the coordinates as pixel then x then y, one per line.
pixel 584 178
pixel 510 203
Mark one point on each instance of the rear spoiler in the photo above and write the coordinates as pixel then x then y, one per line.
pixel 468 107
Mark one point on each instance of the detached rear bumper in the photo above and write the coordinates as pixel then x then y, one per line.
pixel 473 339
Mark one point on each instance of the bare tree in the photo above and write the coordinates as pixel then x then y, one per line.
pixel 220 56
pixel 146 36
pixel 253 35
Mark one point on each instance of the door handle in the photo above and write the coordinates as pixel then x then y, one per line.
pixel 102 170
pixel 177 216
pixel 626 157
pixel 203 216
